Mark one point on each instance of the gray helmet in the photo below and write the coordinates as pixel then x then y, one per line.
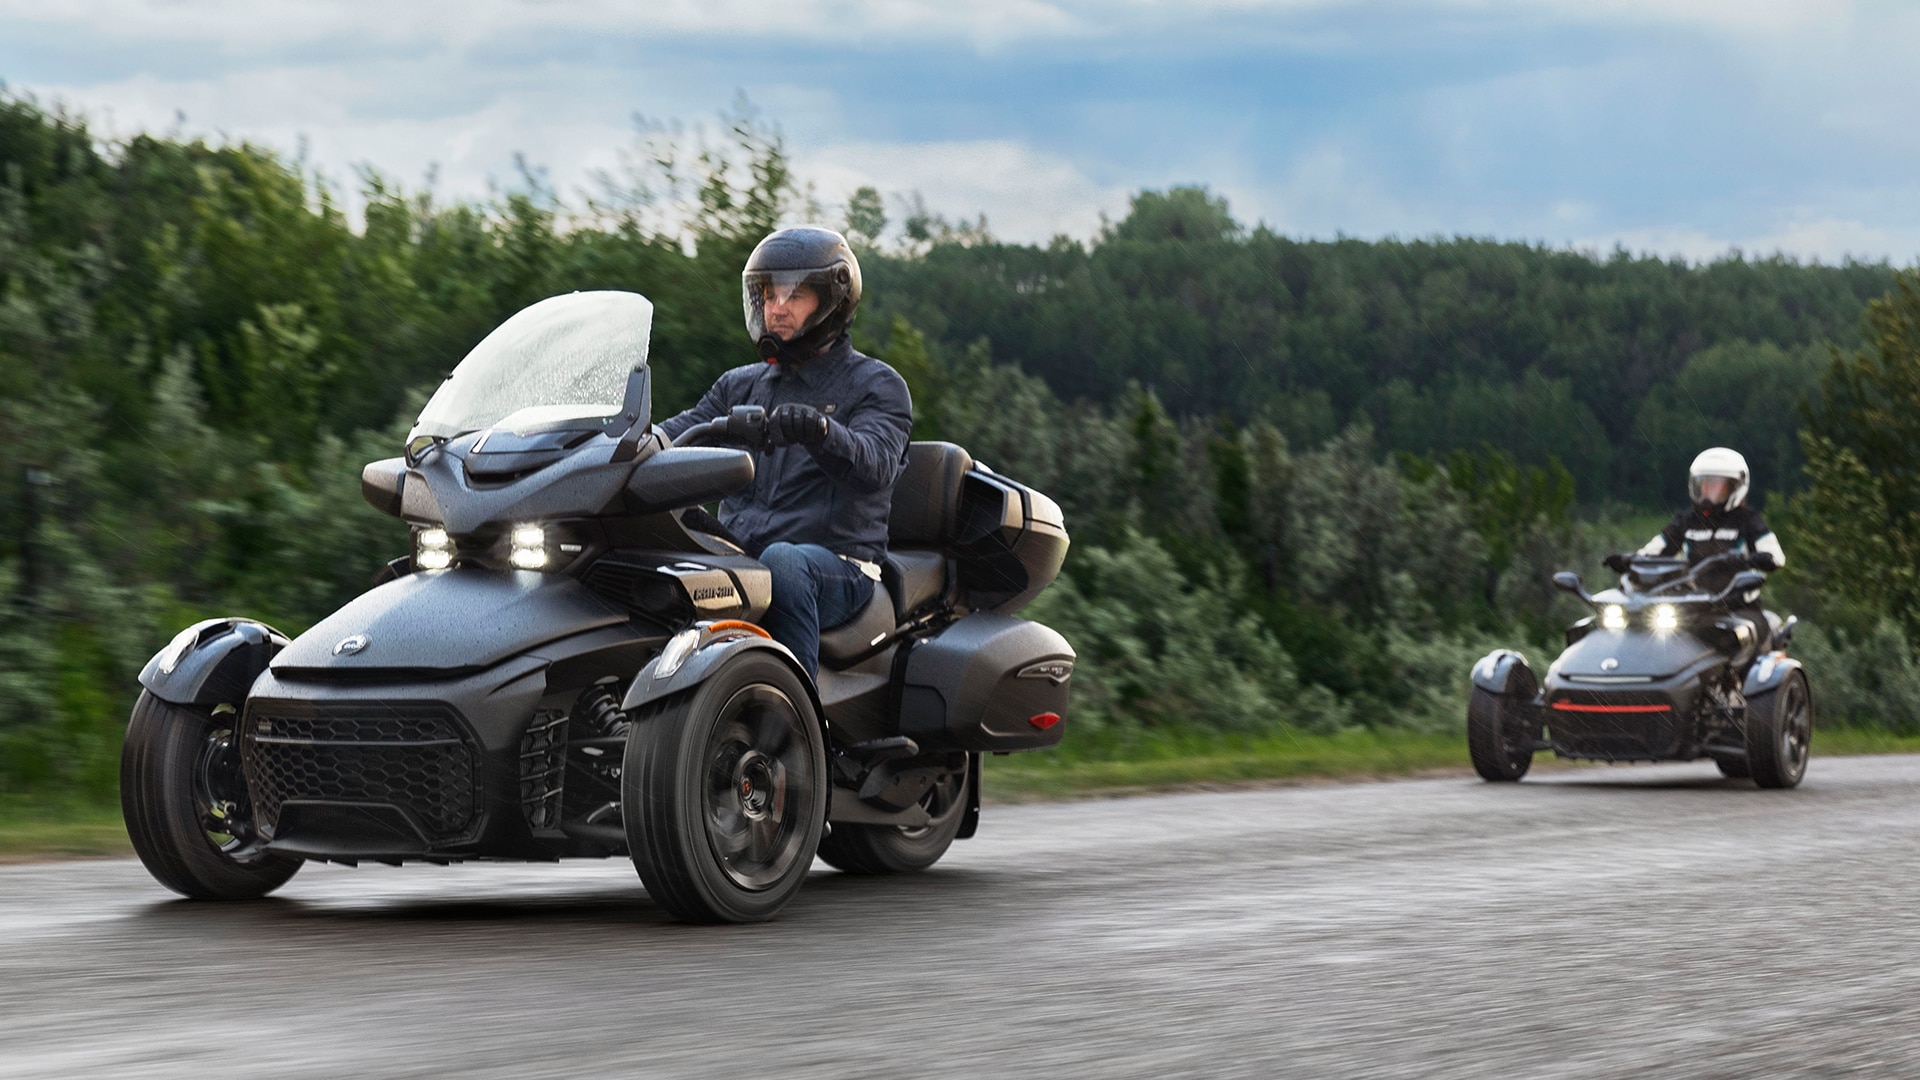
pixel 807 256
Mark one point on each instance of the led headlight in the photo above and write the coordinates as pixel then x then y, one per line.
pixel 1666 617
pixel 1613 617
pixel 527 547
pixel 433 549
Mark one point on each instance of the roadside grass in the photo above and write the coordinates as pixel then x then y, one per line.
pixel 35 829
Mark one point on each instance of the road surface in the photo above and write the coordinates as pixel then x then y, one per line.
pixel 1588 923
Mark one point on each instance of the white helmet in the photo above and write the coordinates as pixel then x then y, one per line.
pixel 1722 462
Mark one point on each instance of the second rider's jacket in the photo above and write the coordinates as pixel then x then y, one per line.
pixel 1702 534
pixel 839 493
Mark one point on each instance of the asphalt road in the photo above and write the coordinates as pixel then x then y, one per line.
pixel 1593 922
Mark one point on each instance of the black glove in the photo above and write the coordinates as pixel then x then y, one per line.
pixel 796 423
pixel 1762 560
pixel 1618 562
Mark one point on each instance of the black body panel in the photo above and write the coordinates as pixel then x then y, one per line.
pixel 225 658
pixel 1629 695
pixel 446 622
pixel 987 682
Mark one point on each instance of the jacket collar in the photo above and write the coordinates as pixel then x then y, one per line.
pixel 811 371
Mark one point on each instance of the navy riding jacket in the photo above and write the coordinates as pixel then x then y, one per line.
pixel 837 494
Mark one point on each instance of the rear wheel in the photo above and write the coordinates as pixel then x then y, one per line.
pixel 723 792
pixel 1498 740
pixel 1780 733
pixel 186 804
pixel 895 849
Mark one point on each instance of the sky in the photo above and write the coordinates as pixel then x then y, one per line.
pixel 1675 127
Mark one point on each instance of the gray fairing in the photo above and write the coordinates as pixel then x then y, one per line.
pixel 584 483
pixel 1504 670
pixel 1659 656
pixel 703 663
pixel 447 622
pixel 1766 675
pixel 226 657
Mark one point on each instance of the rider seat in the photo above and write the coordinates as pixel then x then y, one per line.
pixel 916 575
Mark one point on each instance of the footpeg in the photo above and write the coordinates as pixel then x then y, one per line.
pixel 854 764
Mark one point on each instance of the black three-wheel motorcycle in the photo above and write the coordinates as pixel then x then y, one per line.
pixel 569 665
pixel 1662 671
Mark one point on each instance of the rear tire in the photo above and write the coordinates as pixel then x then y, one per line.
pixel 186 805
pixel 724 792
pixel 1494 737
pixel 894 849
pixel 1780 733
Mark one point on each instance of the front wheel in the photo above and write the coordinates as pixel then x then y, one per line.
pixel 1780 733
pixel 1496 737
pixel 723 792
pixel 186 805
pixel 899 849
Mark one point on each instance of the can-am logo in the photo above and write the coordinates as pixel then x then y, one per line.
pixel 1054 671
pixel 713 592
pixel 347 646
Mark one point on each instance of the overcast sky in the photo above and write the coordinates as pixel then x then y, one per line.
pixel 1673 126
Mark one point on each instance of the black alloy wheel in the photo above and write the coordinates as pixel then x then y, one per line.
pixel 1499 738
pixel 905 849
pixel 723 792
pixel 756 761
pixel 1780 733
pixel 186 804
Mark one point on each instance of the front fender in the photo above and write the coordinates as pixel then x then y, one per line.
pixel 1496 674
pixel 1768 672
pixel 703 663
pixel 213 662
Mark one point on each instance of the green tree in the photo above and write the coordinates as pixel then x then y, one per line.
pixel 1858 524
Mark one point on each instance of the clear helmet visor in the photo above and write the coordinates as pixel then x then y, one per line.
pixel 1709 490
pixel 788 303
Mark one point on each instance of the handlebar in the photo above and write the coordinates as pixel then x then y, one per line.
pixel 744 426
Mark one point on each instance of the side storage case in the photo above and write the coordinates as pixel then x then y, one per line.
pixel 987 682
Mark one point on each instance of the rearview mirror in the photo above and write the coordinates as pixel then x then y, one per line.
pixel 381 482
pixel 1570 581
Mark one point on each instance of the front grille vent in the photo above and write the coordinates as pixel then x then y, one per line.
pixel 411 754
pixel 543 766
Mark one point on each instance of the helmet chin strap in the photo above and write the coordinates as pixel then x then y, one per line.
pixel 775 351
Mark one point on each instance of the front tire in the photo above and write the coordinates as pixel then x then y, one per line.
pixel 1495 737
pixel 896 849
pixel 1780 733
pixel 724 793
pixel 186 805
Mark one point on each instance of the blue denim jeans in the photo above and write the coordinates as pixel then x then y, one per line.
pixel 813 589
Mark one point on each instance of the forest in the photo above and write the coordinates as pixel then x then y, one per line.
pixel 1308 481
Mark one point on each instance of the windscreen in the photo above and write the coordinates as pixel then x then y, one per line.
pixel 565 358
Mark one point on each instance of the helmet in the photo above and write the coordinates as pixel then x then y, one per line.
pixel 1722 462
pixel 808 256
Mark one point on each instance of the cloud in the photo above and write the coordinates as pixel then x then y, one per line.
pixel 1688 126
pixel 1027 194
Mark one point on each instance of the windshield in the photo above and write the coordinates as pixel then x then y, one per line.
pixel 565 358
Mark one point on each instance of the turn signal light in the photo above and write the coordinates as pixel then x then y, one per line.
pixel 1045 720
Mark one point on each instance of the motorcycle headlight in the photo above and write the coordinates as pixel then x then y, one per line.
pixel 1613 617
pixel 527 546
pixel 1666 617
pixel 432 549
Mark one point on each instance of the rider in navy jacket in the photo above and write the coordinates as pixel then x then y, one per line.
pixel 816 513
